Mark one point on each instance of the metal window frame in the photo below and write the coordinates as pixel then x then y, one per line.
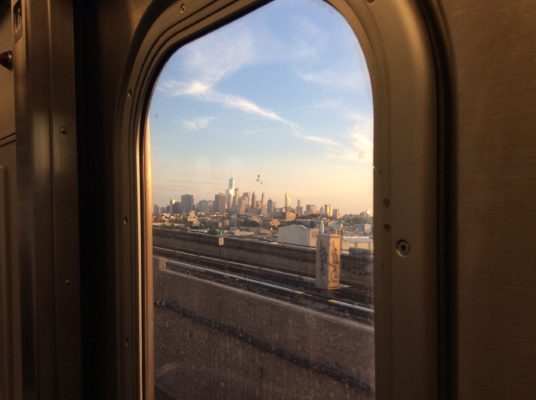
pixel 400 56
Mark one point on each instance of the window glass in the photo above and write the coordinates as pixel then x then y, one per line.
pixel 261 140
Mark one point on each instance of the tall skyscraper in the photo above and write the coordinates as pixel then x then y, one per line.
pixel 253 199
pixel 230 192
pixel 236 199
pixel 187 202
pixel 328 210
pixel 288 200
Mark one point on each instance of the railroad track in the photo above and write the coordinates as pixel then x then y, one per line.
pixel 291 287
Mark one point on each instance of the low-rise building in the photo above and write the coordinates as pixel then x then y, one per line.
pixel 297 234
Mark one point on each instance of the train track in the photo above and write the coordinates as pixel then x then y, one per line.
pixel 298 289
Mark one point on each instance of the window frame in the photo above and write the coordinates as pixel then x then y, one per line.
pixel 400 57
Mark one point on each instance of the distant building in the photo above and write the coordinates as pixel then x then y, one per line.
pixel 285 216
pixel 236 199
pixel 230 193
pixel 192 218
pixel 364 229
pixel 288 200
pixel 299 208
pixel 357 242
pixel 156 210
pixel 297 234
pixel 328 210
pixel 170 206
pixel 219 202
pixel 242 205
pixel 310 209
pixel 337 213
pixel 270 207
pixel 187 203
pixel 203 206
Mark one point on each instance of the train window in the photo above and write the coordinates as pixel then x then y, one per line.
pixel 262 184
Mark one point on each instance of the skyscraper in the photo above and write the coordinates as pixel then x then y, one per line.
pixel 299 208
pixel 271 206
pixel 236 199
pixel 203 206
pixel 170 206
pixel 288 200
pixel 253 199
pixel 219 202
pixel 230 193
pixel 187 202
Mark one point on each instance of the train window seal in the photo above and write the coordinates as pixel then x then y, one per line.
pixel 399 54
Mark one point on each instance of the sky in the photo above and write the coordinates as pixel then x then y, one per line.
pixel 283 93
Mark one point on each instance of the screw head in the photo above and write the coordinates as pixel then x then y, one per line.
pixel 63 130
pixel 402 248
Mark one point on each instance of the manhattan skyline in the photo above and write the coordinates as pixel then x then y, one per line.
pixel 288 99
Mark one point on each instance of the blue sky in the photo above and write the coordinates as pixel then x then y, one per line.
pixel 283 92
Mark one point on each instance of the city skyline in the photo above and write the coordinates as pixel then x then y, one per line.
pixel 284 99
pixel 195 200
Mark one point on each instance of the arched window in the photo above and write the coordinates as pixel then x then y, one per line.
pixel 261 150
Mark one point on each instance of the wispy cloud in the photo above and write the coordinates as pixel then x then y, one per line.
pixel 195 124
pixel 330 143
pixel 218 56
pixel 212 60
pixel 329 77
pixel 207 93
pixel 361 145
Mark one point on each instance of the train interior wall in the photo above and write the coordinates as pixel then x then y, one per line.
pixel 489 196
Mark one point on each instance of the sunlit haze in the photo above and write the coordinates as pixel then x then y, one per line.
pixel 280 100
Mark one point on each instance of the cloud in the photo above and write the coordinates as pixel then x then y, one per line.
pixel 361 143
pixel 207 93
pixel 320 139
pixel 331 78
pixel 197 123
pixel 213 59
pixel 217 56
